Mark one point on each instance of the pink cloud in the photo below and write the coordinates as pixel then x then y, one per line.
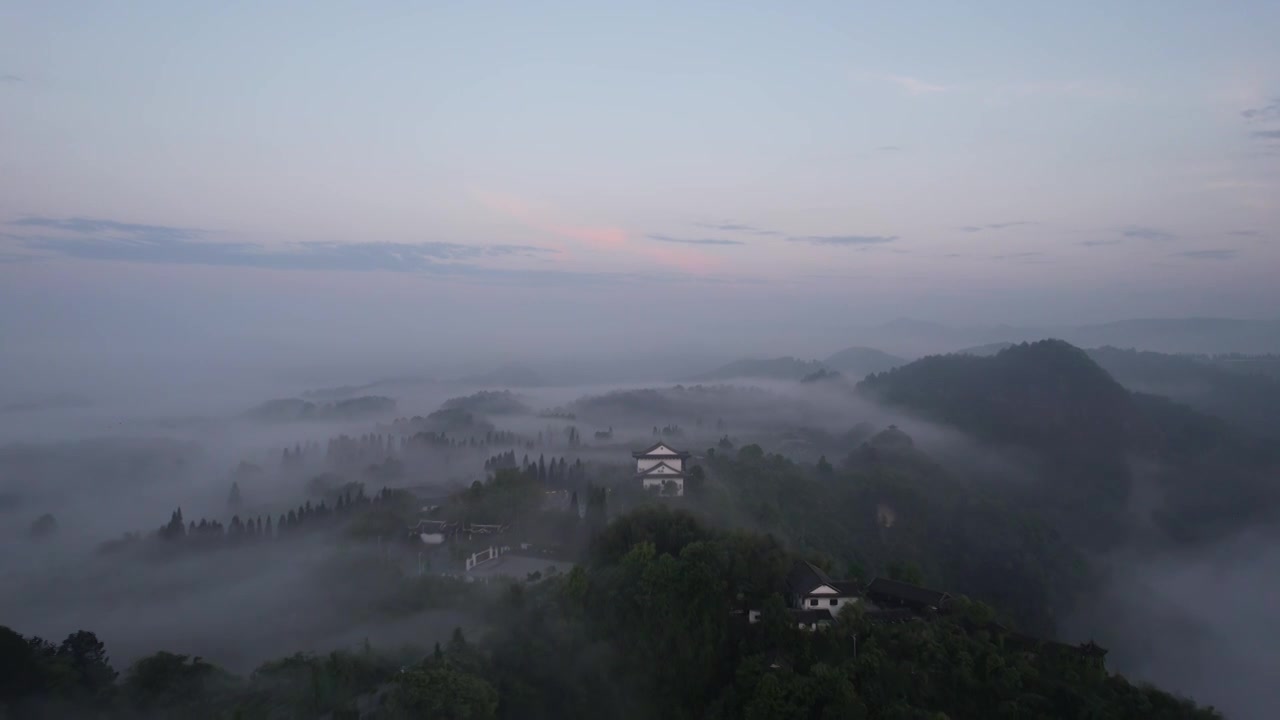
pixel 548 221
pixel 608 238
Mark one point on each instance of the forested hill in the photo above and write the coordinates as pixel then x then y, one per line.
pixel 651 626
pixel 1052 399
pixel 1247 399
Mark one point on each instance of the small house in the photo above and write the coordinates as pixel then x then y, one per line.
pixel 662 468
pixel 809 588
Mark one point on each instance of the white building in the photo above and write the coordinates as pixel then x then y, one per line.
pixel 809 588
pixel 433 532
pixel 661 467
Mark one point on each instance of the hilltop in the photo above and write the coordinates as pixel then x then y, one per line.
pixel 1052 400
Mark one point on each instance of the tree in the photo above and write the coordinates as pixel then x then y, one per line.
pixel 21 673
pixel 697 479
pixel 87 657
pixel 170 685
pixel 234 501
pixel 440 692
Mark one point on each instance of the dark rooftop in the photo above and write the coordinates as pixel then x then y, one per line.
pixel 804 577
pixel 847 587
pixel 646 452
pixel 898 591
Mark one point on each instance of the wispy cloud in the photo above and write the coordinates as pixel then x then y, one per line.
pixel 131 231
pixel 890 148
pixel 693 241
pixel 109 240
pixel 1244 233
pixel 1267 134
pixel 915 86
pixel 1100 243
pixel 1147 233
pixel 737 227
pixel 844 240
pixel 1207 254
pixel 996 226
pixel 1270 111
pixel 10 79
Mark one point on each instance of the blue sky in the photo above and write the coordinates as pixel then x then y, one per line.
pixel 977 161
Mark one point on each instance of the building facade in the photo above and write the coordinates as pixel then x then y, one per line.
pixel 661 469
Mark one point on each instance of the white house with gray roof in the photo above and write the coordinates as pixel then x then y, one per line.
pixel 661 467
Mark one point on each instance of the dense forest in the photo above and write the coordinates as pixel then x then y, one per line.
pixel 651 625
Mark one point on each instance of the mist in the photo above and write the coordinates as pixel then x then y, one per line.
pixel 305 315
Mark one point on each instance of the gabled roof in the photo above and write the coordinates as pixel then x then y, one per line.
pixel 656 472
pixel 899 591
pixel 806 577
pixel 429 526
pixel 649 452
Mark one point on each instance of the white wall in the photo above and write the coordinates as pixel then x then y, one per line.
pixel 824 603
pixel 657 482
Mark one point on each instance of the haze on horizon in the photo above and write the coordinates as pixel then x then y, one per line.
pixel 231 183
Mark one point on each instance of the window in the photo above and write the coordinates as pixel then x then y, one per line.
pixel 834 601
pixel 813 602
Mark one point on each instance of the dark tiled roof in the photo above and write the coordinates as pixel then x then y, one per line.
pixel 898 591
pixel 811 616
pixel 847 587
pixel 804 577
pixel 645 452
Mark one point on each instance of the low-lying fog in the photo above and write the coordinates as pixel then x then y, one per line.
pixel 111 459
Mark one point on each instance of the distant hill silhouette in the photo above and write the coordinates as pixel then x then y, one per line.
pixel 293 409
pixel 1170 335
pixel 860 360
pixel 489 402
pixel 779 368
pixel 1251 401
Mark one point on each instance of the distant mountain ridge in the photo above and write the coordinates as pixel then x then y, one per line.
pixel 1251 401
pixel 859 360
pixel 779 368
pixel 855 361
pixel 1169 335
pixel 292 409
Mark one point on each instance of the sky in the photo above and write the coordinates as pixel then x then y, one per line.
pixel 329 177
